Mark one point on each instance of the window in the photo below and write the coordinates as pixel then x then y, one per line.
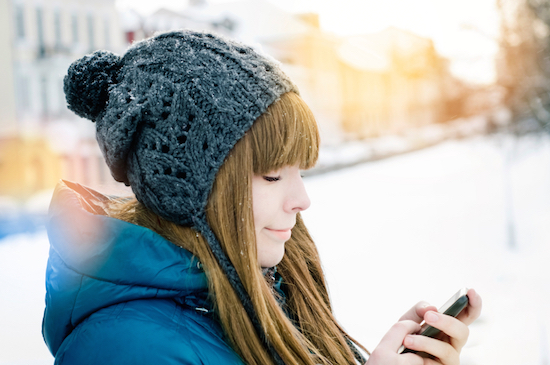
pixel 44 95
pixel 23 93
pixel 40 31
pixel 130 36
pixel 103 175
pixel 74 28
pixel 57 28
pixel 20 21
pixel 85 160
pixel 91 38
pixel 106 32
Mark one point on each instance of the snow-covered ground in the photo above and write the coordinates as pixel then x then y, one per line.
pixel 422 225
pixel 392 232
pixel 22 268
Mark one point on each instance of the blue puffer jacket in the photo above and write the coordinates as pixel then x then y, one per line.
pixel 118 293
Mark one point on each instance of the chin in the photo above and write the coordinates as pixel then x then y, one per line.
pixel 273 259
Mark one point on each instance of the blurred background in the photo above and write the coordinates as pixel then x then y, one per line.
pixel 435 124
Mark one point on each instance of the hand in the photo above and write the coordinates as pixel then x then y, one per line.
pixel 473 310
pixel 386 351
pixel 445 350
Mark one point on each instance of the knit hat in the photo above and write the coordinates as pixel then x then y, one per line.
pixel 167 114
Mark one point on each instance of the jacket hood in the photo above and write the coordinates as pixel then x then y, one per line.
pixel 96 261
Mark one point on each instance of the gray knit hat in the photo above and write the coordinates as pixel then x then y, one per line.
pixel 167 114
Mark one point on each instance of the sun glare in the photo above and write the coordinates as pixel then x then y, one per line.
pixel 465 32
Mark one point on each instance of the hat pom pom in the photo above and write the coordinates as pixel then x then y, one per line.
pixel 87 82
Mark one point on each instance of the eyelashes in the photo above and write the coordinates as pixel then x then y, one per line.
pixel 276 178
pixel 281 174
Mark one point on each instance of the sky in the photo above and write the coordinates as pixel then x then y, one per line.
pixel 464 31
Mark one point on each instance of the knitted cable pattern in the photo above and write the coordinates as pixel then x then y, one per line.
pixel 180 102
pixel 167 114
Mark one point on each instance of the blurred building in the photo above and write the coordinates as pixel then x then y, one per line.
pixel 309 57
pixel 40 139
pixel 358 87
pixel 391 81
pixel 307 54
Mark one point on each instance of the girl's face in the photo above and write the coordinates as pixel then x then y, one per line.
pixel 277 197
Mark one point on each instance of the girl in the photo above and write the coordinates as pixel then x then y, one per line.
pixel 211 262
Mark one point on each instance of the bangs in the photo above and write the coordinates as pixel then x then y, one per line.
pixel 286 134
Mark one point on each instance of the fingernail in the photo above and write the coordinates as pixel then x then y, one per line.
pixel 409 341
pixel 431 317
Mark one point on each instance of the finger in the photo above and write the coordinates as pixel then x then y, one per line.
pixel 417 312
pixel 434 361
pixel 393 339
pixel 473 310
pixel 457 331
pixel 443 351
pixel 381 356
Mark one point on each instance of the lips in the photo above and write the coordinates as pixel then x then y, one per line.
pixel 283 234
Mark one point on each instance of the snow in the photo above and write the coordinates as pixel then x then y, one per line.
pixel 22 269
pixel 421 226
pixel 339 153
pixel 393 232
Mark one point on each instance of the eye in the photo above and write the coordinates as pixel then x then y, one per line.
pixel 272 178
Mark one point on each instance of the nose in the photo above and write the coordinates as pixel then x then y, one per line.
pixel 297 198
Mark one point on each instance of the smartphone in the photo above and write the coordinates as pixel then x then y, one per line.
pixel 452 308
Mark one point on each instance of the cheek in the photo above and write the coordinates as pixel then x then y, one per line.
pixel 259 211
pixel 262 201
